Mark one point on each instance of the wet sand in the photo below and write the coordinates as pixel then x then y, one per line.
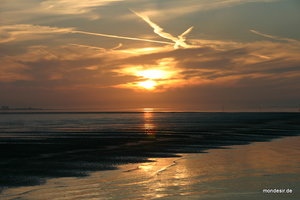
pixel 239 172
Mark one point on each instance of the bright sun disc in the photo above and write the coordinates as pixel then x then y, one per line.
pixel 152 74
pixel 147 84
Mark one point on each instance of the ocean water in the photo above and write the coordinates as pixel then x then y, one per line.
pixel 106 155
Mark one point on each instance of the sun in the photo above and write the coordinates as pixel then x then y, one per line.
pixel 152 77
pixel 148 84
pixel 152 74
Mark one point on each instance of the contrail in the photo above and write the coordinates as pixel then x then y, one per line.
pixel 274 37
pixel 182 37
pixel 186 32
pixel 179 41
pixel 121 37
pixel 86 46
pixel 117 47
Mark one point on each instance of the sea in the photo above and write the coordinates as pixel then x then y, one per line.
pixel 149 155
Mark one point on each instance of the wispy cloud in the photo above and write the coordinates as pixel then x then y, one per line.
pixel 18 11
pixel 76 69
pixel 73 7
pixel 207 65
pixel 22 32
pixel 179 7
pixel 179 41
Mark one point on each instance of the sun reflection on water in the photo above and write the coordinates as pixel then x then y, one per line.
pixel 148 123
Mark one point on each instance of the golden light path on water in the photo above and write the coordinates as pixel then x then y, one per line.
pixel 148 122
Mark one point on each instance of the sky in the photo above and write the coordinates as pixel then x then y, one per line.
pixel 196 55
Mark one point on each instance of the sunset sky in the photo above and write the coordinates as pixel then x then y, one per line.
pixel 199 55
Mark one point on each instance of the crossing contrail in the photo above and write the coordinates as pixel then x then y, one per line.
pixel 179 41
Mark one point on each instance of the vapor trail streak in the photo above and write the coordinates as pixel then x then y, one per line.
pixel 274 37
pixel 179 41
pixel 87 46
pixel 182 38
pixel 121 37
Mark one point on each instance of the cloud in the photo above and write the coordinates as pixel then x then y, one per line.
pixel 73 7
pixel 16 11
pixel 167 11
pixel 222 71
pixel 225 65
pixel 208 60
pixel 76 63
pixel 12 71
pixel 22 32
pixel 65 65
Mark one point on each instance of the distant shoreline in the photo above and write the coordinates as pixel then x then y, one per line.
pixel 46 111
pixel 7 108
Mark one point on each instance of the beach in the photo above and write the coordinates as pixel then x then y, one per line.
pixel 240 172
pixel 150 156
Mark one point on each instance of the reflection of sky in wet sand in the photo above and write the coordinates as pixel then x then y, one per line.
pixel 239 173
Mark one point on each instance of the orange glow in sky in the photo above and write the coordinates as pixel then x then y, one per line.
pixel 116 54
pixel 148 84
pixel 163 72
pixel 153 74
